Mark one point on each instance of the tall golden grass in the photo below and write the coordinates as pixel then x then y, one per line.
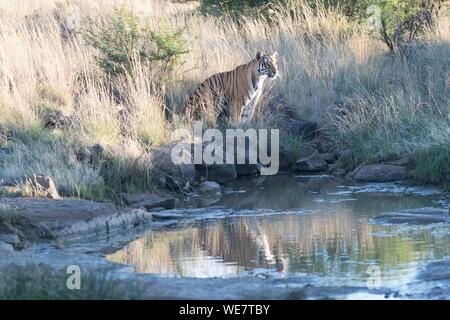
pixel 326 62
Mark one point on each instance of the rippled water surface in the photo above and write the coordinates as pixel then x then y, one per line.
pixel 299 224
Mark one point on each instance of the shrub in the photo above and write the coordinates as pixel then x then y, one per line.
pixel 399 22
pixel 124 39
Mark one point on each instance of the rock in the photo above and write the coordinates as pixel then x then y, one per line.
pixel 351 175
pixel 91 154
pixel 209 193
pixel 380 173
pixel 414 216
pixel 54 119
pixel 223 172
pixel 74 217
pixel 436 271
pixel 176 175
pixel 83 154
pixel 311 164
pixel 247 168
pixel 6 247
pixel 220 173
pixel 148 200
pixel 329 157
pixel 209 187
pixel 9 238
pixel 306 129
pixel 44 186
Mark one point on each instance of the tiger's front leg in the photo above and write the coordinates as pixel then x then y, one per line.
pixel 248 111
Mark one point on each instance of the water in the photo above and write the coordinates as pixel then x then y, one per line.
pixel 317 226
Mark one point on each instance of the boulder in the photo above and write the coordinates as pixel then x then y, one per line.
pixel 247 168
pixel 10 238
pixel 44 186
pixel 329 157
pixel 174 175
pixel 209 187
pixel 92 154
pixel 311 164
pixel 220 173
pixel 415 216
pixel 6 247
pixel 148 200
pixel 226 172
pixel 436 271
pixel 45 219
pixel 83 154
pixel 210 193
pixel 55 119
pixel 378 173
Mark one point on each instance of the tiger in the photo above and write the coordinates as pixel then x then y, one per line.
pixel 233 94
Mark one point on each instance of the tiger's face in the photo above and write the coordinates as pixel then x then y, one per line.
pixel 267 64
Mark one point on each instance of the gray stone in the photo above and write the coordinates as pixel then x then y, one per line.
pixel 55 119
pixel 351 175
pixel 209 187
pixel 148 200
pixel 311 164
pixel 74 217
pixel 247 168
pixel 83 154
pixel 220 173
pixel 380 173
pixel 176 176
pixel 10 238
pixel 415 216
pixel 44 185
pixel 6 247
pixel 435 271
pixel 329 157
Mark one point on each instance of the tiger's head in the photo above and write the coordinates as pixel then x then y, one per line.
pixel 267 64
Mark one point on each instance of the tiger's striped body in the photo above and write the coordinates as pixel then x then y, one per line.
pixel 233 94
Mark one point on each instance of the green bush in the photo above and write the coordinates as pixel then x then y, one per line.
pixel 124 39
pixel 399 22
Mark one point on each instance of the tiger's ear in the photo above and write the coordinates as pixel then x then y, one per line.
pixel 259 54
pixel 275 54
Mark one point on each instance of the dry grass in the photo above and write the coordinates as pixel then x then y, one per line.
pixel 393 106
